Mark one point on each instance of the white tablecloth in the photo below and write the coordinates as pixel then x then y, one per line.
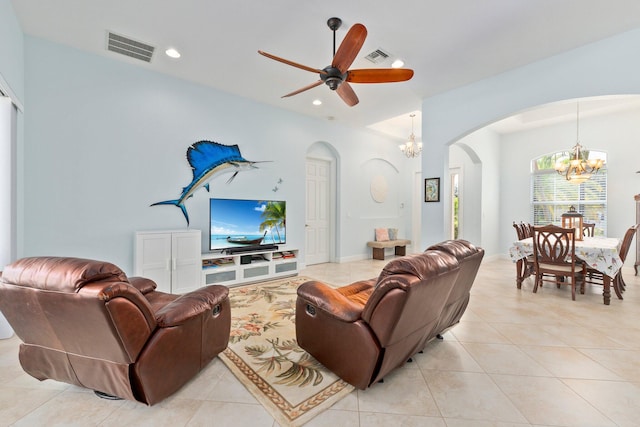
pixel 600 253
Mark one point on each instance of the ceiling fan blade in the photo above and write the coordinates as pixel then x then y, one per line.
pixel 379 75
pixel 293 64
pixel 349 47
pixel 347 94
pixel 311 86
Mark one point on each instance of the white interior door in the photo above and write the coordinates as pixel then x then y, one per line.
pixel 7 195
pixel 318 213
pixel 7 224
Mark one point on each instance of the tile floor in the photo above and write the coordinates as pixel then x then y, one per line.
pixel 515 359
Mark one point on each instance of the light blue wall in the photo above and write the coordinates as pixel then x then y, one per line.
pixel 478 154
pixel 607 67
pixel 105 139
pixel 11 52
pixel 481 210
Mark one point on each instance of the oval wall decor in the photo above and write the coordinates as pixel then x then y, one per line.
pixel 379 188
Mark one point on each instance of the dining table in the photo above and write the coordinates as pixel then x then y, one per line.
pixel 599 253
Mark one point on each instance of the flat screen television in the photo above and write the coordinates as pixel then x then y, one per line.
pixel 246 224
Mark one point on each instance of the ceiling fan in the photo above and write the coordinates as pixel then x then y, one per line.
pixel 337 75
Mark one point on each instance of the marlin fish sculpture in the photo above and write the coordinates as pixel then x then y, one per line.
pixel 209 159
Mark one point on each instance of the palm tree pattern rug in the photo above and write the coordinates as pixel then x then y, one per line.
pixel 264 355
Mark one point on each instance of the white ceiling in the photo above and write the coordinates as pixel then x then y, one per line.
pixel 447 43
pixel 570 110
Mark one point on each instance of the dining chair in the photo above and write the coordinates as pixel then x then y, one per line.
pixel 554 253
pixel 624 250
pixel 519 227
pixel 524 231
pixel 595 277
pixel 589 229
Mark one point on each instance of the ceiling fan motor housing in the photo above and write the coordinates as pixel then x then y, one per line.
pixel 333 77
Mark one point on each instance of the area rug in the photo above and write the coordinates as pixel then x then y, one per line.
pixel 264 355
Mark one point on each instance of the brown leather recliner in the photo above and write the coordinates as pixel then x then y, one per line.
pixel 364 330
pixel 84 322
pixel 469 257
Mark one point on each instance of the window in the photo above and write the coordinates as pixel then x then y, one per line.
pixel 552 194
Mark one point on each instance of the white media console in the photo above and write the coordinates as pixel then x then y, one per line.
pixel 247 267
pixel 173 259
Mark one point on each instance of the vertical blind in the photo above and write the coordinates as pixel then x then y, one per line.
pixel 552 195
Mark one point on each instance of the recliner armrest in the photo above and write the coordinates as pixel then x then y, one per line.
pixel 142 284
pixel 192 304
pixel 330 301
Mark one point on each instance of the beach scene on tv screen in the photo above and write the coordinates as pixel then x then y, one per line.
pixel 237 223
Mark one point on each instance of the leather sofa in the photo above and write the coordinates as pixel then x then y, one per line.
pixel 84 322
pixel 365 330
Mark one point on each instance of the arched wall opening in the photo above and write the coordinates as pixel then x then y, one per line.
pixel 504 151
pixel 606 67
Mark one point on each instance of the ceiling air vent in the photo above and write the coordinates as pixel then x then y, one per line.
pixel 129 47
pixel 377 56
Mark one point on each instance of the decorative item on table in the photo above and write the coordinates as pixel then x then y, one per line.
pixel 573 219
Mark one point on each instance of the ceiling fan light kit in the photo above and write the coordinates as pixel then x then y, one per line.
pixel 337 76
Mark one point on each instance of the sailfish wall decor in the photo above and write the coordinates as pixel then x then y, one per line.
pixel 209 159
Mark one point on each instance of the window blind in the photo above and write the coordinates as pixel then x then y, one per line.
pixel 552 195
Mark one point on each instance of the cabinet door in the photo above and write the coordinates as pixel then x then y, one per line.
pixel 187 262
pixel 153 259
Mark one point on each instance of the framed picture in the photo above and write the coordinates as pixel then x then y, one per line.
pixel 432 190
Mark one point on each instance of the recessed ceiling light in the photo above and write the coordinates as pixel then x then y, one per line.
pixel 398 63
pixel 317 102
pixel 172 53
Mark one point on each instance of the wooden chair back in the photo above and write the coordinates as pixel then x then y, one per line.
pixel 554 245
pixel 554 250
pixel 626 241
pixel 523 230
pixel 519 230
pixel 589 229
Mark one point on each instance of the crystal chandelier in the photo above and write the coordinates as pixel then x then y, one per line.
pixel 411 148
pixel 578 168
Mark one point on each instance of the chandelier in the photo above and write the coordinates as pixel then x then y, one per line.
pixel 411 148
pixel 578 168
